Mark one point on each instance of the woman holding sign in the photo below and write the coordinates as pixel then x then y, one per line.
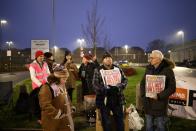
pixel 156 86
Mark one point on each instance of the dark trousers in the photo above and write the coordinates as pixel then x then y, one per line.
pixel 117 111
pixel 70 92
pixel 34 104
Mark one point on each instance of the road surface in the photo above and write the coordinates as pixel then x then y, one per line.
pixel 15 77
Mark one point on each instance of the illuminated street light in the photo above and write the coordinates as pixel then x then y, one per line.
pixel 169 51
pixel 126 50
pixel 181 33
pixel 9 53
pixel 81 42
pixel 55 50
pixel 9 44
pixel 3 22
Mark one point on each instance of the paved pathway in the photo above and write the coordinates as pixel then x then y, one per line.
pixel 15 77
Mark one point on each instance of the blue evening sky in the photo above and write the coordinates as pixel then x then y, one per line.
pixel 132 22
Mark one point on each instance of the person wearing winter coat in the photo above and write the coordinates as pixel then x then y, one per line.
pixel 48 57
pixel 86 71
pixel 39 72
pixel 73 73
pixel 109 82
pixel 55 105
pixel 156 104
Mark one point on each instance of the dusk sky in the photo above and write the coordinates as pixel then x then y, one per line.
pixel 132 22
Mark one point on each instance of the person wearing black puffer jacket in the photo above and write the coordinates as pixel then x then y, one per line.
pixel 155 107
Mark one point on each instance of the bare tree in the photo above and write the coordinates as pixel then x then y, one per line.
pixel 92 30
pixel 156 45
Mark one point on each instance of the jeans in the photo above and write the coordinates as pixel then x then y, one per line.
pixel 117 115
pixel 154 123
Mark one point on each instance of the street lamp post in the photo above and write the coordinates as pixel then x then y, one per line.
pixel 181 33
pixel 9 53
pixel 2 22
pixel 55 50
pixel 126 50
pixel 81 42
pixel 169 52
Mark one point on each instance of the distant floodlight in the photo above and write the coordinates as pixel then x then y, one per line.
pixel 3 21
pixel 180 32
pixel 55 47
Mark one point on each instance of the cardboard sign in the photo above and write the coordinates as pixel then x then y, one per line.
pixel 111 77
pixel 154 84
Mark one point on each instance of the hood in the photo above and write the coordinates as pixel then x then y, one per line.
pixel 168 63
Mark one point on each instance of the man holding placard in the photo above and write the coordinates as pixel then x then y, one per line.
pixel 109 82
pixel 156 86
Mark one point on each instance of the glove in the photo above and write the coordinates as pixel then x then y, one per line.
pixel 112 90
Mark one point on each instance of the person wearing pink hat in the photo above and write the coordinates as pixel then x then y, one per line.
pixel 39 72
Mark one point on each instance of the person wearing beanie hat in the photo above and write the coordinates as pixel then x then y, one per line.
pixel 38 54
pixel 39 72
pixel 109 82
pixel 54 102
pixel 73 72
pixel 155 98
pixel 86 71
pixel 106 54
pixel 48 56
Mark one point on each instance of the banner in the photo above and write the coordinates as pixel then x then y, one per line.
pixel 183 101
pixel 154 85
pixel 111 77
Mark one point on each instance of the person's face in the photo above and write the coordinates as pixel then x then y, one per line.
pixel 63 80
pixel 40 58
pixel 68 57
pixel 154 60
pixel 51 58
pixel 107 61
pixel 84 60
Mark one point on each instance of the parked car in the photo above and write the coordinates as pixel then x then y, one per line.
pixel 123 63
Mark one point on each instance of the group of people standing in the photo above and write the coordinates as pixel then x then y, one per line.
pixel 54 85
pixel 52 90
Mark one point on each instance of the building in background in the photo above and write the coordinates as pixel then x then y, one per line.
pixel 182 53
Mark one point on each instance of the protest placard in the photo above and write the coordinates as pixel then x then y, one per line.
pixel 154 85
pixel 111 77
